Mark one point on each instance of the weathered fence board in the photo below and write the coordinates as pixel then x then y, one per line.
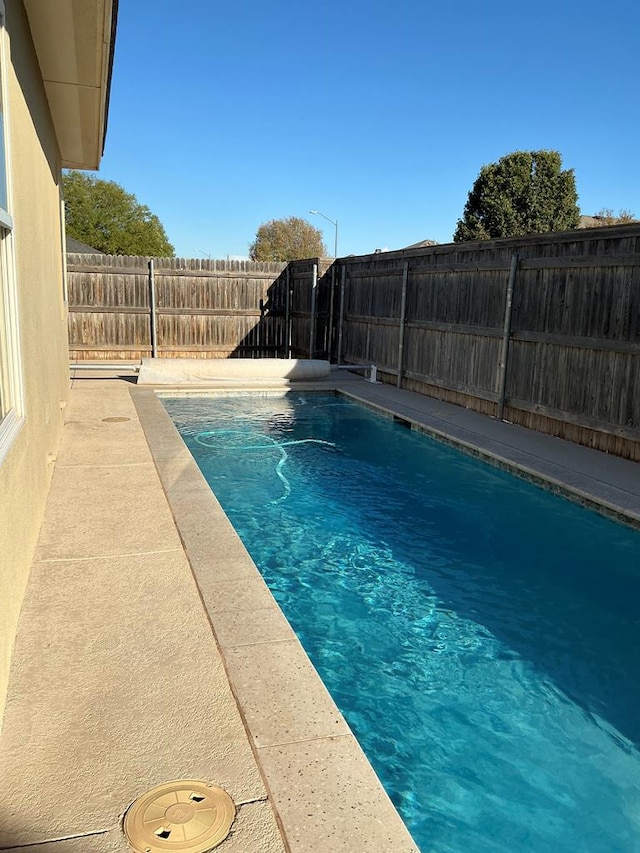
pixel 573 366
pixel 310 307
pixel 214 309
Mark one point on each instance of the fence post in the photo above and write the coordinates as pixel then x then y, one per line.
pixel 312 324
pixel 331 305
pixel 152 310
pixel 343 282
pixel 287 313
pixel 506 336
pixel 403 317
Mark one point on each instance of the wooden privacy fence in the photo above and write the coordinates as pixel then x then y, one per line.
pixel 133 307
pixel 543 331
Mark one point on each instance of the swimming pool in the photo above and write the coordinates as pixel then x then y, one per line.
pixel 479 634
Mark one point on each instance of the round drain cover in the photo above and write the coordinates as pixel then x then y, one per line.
pixel 185 816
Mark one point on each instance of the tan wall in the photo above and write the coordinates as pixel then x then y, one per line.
pixel 26 471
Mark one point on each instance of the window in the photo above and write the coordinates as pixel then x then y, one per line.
pixel 11 401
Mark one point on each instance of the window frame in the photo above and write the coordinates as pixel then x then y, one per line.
pixel 11 376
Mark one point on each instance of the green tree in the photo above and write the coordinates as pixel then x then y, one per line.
pixel 289 239
pixel 102 214
pixel 526 192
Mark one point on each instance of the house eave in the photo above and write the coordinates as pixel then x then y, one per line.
pixel 74 42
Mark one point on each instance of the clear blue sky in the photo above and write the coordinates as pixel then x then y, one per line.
pixel 227 114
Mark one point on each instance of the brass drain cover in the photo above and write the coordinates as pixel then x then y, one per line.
pixel 185 816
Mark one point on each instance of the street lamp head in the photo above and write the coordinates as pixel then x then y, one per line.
pixel 334 222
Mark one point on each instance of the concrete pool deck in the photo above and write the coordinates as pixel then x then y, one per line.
pixel 149 648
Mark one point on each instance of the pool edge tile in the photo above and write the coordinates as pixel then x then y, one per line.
pixel 281 695
pixel 323 791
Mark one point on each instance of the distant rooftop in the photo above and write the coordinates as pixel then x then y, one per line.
pixel 600 221
pixel 81 248
pixel 423 244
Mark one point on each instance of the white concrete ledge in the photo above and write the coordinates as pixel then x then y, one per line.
pixel 181 371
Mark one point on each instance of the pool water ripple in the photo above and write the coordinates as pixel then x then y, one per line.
pixel 480 635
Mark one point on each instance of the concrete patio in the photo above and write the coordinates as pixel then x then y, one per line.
pixel 149 648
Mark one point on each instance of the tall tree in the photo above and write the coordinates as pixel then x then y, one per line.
pixel 102 214
pixel 526 192
pixel 289 239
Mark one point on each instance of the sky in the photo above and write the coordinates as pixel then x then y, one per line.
pixel 225 115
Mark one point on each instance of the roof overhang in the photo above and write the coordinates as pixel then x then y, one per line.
pixel 74 42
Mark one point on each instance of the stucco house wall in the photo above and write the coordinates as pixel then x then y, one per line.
pixel 34 162
pixel 35 168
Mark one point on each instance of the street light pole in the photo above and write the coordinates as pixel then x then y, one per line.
pixel 335 224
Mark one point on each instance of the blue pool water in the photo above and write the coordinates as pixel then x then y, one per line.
pixel 479 634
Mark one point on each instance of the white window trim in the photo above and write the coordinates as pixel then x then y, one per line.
pixel 10 427
pixel 13 420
